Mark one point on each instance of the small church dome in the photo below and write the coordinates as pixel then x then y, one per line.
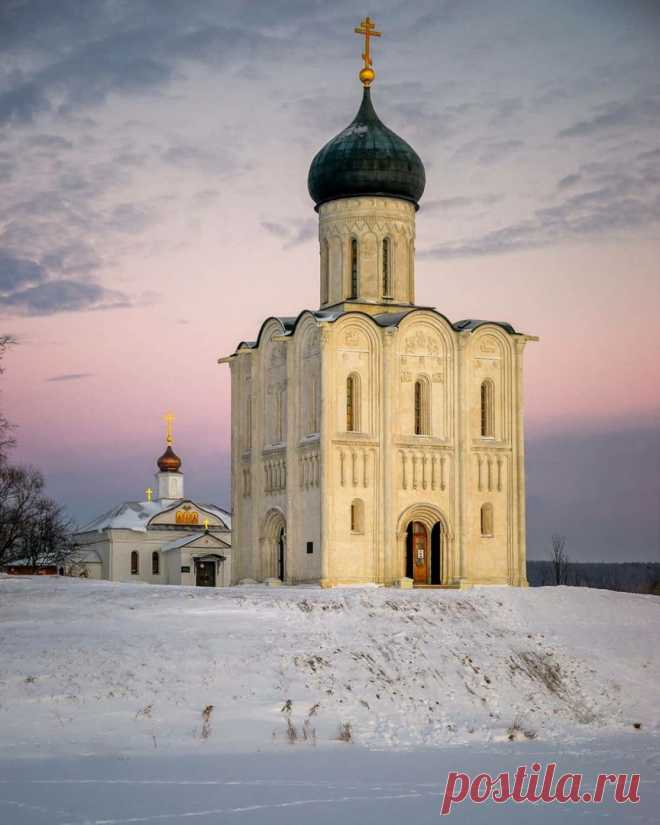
pixel 169 462
pixel 366 158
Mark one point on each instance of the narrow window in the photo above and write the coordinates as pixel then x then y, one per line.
pixel 353 403
pixel 135 563
pixel 354 269
pixel 357 516
pixel 422 412
pixel 248 421
pixel 487 411
pixel 325 272
pixel 155 563
pixel 487 520
pixel 310 547
pixel 386 268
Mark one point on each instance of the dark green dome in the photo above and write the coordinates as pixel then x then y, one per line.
pixel 366 158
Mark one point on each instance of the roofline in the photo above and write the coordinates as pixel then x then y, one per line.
pixel 325 315
pixel 318 205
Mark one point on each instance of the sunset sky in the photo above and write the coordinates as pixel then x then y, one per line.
pixel 154 211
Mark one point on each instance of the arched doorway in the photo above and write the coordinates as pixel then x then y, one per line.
pixel 424 542
pixel 281 554
pixel 273 546
pixel 424 553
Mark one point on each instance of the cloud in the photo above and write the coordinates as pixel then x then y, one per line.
pixel 597 212
pixel 628 114
pixel 70 376
pixel 568 181
pixel 19 273
pixel 460 202
pixel 295 233
pixel 61 296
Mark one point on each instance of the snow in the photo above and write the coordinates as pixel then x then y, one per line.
pixel 136 515
pixel 181 542
pixel 103 682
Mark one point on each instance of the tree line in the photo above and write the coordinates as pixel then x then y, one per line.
pixel 35 530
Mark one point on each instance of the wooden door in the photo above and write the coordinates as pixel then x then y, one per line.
pixel 206 574
pixel 420 550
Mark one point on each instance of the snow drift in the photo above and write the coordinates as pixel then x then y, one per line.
pixel 96 667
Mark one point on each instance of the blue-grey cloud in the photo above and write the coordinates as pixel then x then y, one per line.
pixel 294 233
pixel 615 115
pixel 70 376
pixel 568 181
pixel 18 273
pixel 61 296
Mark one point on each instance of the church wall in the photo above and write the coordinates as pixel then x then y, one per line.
pixel 490 460
pixel 351 466
pixel 421 468
pixel 369 220
pixel 303 505
pixel 99 543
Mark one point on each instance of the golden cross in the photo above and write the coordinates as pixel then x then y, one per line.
pixel 169 418
pixel 206 524
pixel 368 28
pixel 149 493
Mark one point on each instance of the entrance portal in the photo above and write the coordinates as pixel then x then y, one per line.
pixel 281 554
pixel 205 574
pixel 424 553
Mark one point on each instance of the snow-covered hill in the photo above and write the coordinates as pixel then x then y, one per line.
pixel 104 668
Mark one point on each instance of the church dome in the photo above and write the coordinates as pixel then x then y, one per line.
pixel 169 462
pixel 366 158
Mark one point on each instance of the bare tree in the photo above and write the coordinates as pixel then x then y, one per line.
pixel 559 559
pixel 32 526
pixel 7 440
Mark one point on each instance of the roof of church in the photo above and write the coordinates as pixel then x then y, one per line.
pixel 385 319
pixel 136 515
pixel 366 158
pixel 182 541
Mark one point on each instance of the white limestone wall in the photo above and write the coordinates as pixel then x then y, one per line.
pixel 370 220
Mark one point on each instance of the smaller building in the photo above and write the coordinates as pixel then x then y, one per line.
pixel 166 539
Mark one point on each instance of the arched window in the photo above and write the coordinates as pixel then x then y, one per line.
pixel 487 520
pixel 316 406
pixel 354 269
pixel 353 403
pixel 135 563
pixel 155 563
pixel 357 516
pixel 325 271
pixel 422 411
pixel 487 409
pixel 387 263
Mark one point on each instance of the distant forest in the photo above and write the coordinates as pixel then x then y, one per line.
pixel 630 577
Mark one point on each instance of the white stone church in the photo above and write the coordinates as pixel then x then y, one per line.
pixel 373 440
pixel 164 539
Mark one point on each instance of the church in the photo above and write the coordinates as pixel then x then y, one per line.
pixel 374 440
pixel 165 539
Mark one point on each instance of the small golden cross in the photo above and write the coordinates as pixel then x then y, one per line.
pixel 368 28
pixel 206 524
pixel 169 418
pixel 149 493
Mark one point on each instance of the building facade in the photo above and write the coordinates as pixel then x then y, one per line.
pixel 165 539
pixel 373 440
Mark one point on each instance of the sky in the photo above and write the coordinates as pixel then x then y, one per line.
pixel 154 211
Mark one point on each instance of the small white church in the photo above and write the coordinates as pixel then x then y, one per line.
pixel 373 439
pixel 165 539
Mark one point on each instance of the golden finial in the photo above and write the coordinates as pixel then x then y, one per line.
pixel 169 419
pixel 149 492
pixel 368 28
